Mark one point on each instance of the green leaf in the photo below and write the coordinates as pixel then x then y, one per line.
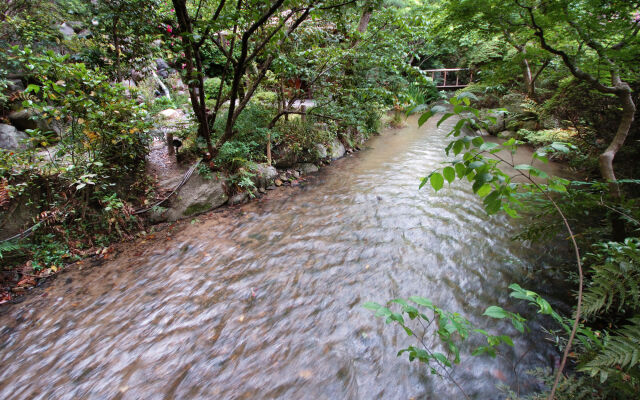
pixel 371 305
pixel 442 358
pixel 449 174
pixel 461 170
pixel 476 164
pixel 424 117
pixel 421 301
pixel 444 118
pixel 32 88
pixel 523 167
pixel 437 181
pixel 457 147
pixel 561 147
pixel 484 190
pixel 496 312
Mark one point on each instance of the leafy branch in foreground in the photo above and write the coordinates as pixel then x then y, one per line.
pixel 451 329
pixel 481 164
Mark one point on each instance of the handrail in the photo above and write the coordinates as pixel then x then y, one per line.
pixel 445 69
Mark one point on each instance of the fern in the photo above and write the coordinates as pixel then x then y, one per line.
pixel 620 355
pixel 6 247
pixel 615 279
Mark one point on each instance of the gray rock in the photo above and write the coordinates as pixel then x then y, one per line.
pixel 307 168
pixel 337 149
pixel 239 198
pixel 264 175
pixel 513 102
pixel 15 85
pixel 321 150
pixel 76 25
pixel 507 134
pixel 22 119
pixel 198 195
pixel 66 30
pixel 163 68
pixel 285 157
pixel 530 125
pixel 499 125
pixel 11 138
pixel 20 214
pixel 171 114
pixel 85 33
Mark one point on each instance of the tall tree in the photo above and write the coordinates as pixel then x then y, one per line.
pixel 249 34
pixel 598 42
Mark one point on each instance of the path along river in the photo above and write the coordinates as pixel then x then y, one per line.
pixel 265 301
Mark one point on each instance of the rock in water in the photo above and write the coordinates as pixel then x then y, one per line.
pixel 11 138
pixel 239 198
pixel 264 175
pixel 198 195
pixel 337 149
pixel 321 150
pixel 307 168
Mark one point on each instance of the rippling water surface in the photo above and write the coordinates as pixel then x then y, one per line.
pixel 265 301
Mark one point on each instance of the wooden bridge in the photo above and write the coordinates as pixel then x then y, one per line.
pixel 451 78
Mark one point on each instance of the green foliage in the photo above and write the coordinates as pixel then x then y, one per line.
pixel 9 246
pixel 450 328
pixel 619 357
pixel 549 136
pixel 614 278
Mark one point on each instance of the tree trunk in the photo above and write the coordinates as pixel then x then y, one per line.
pixel 606 158
pixel 364 22
pixel 195 85
pixel 528 78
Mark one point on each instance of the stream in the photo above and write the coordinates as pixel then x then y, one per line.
pixel 265 300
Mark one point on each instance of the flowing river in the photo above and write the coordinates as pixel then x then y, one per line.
pixel 265 300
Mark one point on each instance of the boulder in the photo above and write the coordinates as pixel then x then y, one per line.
pixel 263 175
pixel 11 138
pixel 15 85
pixel 337 149
pixel 66 30
pixel 307 168
pixel 285 157
pixel 22 119
pixel 85 33
pixel 320 150
pixel 197 196
pixel 163 68
pixel 239 198
pixel 171 115
pixel 499 125
pixel 513 102
pixel 507 134
pixel 76 25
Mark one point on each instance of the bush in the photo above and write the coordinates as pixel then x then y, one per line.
pixel 547 136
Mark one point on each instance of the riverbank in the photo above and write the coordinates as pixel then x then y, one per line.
pixel 186 196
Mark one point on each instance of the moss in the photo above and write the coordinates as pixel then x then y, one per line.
pixel 197 209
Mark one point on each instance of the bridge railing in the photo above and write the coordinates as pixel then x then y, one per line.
pixel 453 78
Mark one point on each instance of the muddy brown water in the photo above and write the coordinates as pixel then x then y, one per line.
pixel 265 301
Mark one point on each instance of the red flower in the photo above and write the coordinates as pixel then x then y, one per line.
pixel 169 28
